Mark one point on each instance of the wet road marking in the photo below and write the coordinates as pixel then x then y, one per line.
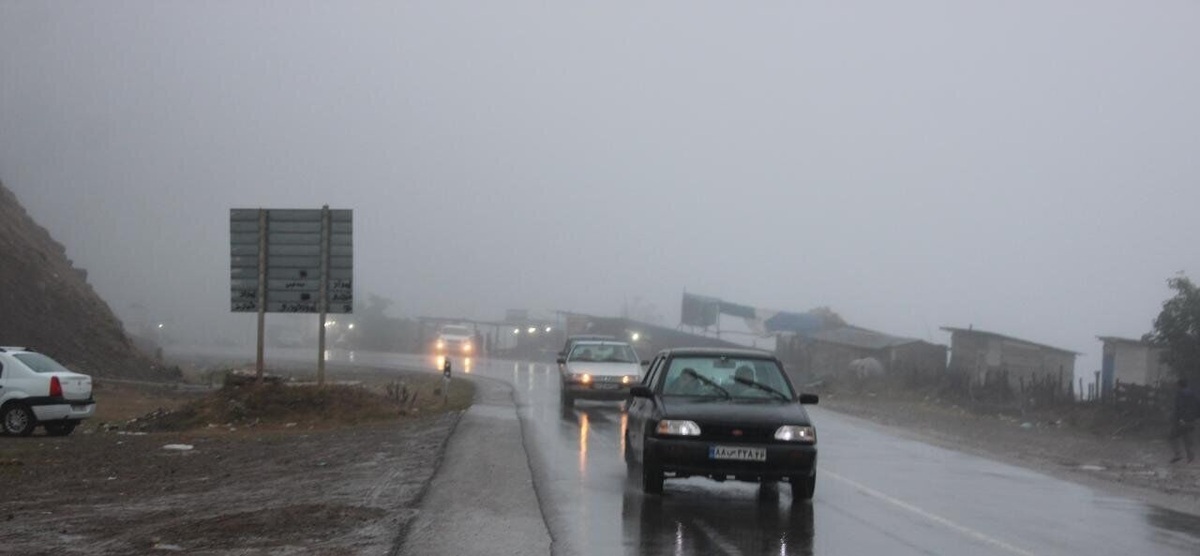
pixel 716 538
pixel 967 531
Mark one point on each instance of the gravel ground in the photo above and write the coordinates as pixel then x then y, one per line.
pixel 1135 465
pixel 349 491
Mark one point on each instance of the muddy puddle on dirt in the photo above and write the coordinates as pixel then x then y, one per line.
pixel 267 527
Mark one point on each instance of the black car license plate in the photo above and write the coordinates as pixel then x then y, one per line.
pixel 738 453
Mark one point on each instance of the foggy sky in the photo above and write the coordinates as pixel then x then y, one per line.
pixel 1026 167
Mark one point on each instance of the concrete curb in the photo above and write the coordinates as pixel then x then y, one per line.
pixel 482 500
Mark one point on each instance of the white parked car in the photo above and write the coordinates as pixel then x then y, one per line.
pixel 598 370
pixel 36 390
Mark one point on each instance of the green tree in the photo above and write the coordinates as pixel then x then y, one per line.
pixel 1177 328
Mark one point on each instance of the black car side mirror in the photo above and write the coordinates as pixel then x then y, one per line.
pixel 640 391
pixel 562 360
pixel 808 399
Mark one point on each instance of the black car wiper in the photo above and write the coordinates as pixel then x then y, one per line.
pixel 761 386
pixel 708 381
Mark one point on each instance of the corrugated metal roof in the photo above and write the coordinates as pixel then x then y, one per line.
pixel 1123 340
pixel 1004 337
pixel 861 338
pixel 803 323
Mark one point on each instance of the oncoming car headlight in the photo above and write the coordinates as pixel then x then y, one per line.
pixel 678 428
pixel 795 433
pixel 441 344
pixel 467 348
pixel 584 378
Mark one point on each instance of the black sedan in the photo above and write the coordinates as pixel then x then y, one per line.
pixel 723 414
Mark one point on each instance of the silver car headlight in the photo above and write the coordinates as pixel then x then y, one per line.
pixel 668 427
pixel 796 433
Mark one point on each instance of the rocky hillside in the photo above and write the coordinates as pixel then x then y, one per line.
pixel 48 305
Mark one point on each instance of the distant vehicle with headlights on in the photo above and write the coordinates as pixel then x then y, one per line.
pixel 36 390
pixel 725 414
pixel 598 370
pixel 455 339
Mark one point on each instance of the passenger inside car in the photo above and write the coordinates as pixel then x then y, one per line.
pixel 741 379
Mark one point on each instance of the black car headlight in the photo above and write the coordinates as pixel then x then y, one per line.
pixel 669 427
pixel 796 433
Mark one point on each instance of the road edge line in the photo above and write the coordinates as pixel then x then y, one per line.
pixel 945 522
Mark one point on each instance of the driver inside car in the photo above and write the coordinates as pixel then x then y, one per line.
pixel 738 383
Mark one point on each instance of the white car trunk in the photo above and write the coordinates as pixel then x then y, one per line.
pixel 75 386
pixel 602 368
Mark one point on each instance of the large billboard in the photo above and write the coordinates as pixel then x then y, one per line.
pixel 293 252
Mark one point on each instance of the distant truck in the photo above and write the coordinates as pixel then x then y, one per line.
pixel 455 339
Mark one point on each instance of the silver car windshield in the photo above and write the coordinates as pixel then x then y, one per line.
pixel 718 377
pixel 606 353
pixel 40 363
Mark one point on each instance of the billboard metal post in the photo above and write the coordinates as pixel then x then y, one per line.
pixel 262 295
pixel 324 294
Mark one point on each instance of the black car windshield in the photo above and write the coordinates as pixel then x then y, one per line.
pixel 732 378
pixel 603 353
pixel 40 363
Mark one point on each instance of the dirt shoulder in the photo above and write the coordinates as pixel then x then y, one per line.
pixel 1134 464
pixel 270 489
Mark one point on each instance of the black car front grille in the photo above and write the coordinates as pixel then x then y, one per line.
pixel 736 433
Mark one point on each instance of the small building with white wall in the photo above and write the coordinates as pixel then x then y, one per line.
pixel 1132 362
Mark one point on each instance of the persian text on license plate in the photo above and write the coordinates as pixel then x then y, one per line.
pixel 606 386
pixel 740 453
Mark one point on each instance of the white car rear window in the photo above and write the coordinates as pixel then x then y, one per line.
pixel 40 363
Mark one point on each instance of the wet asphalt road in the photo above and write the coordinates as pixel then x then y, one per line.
pixel 876 494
